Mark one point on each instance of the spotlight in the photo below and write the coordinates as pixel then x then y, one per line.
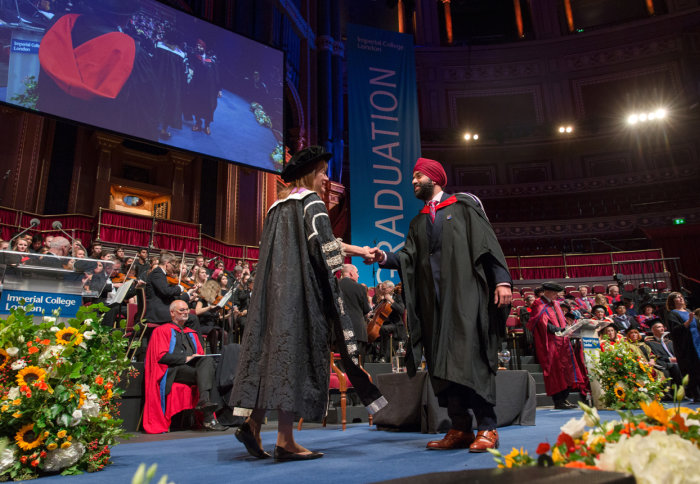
pixel 569 129
pixel 476 137
pixel 562 129
pixel 566 129
pixel 632 119
pixel 467 136
pixel 642 117
pixel 660 113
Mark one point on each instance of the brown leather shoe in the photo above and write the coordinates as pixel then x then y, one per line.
pixel 454 439
pixel 485 439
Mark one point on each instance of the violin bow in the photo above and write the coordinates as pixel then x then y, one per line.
pixel 179 269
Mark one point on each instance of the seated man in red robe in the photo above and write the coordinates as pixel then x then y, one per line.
pixel 561 368
pixel 175 355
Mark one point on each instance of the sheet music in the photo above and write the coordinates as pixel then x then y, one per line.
pixel 568 332
pixel 121 292
pixel 225 299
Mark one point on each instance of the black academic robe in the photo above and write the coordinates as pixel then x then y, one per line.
pixel 170 68
pixel 449 270
pixel 356 305
pixel 294 309
pixel 159 294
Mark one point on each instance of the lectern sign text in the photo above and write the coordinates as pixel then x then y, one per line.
pixel 44 302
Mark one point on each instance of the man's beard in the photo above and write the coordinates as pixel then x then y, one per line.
pixel 425 190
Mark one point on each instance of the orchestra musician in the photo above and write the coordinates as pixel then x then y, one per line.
pixel 211 317
pixel 392 329
pixel 160 292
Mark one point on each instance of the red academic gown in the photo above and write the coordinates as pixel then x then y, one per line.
pixel 160 406
pixel 560 364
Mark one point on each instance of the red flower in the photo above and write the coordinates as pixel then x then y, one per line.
pixel 29 344
pixel 35 462
pixel 99 380
pixel 567 440
pixel 543 448
pixel 43 454
pixel 23 459
pixel 33 350
pixel 46 342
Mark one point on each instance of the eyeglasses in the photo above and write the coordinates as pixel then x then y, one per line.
pixel 182 310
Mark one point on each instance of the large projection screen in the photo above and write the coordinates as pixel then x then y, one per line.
pixel 148 71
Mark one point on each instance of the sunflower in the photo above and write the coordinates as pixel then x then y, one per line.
pixel 620 392
pixel 4 357
pixel 29 375
pixel 26 438
pixel 69 336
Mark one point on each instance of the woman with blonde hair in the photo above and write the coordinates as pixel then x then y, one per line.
pixel 295 310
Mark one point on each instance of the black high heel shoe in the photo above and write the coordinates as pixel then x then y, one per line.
pixel 245 436
pixel 282 454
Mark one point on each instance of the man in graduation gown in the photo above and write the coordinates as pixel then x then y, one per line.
pixel 458 291
pixel 175 356
pixel 555 354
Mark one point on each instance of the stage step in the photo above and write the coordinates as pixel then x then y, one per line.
pixel 543 400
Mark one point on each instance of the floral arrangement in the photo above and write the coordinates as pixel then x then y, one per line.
pixel 626 378
pixel 260 116
pixel 657 446
pixel 58 392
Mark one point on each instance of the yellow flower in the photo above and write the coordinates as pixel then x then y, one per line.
pixel 29 375
pixel 4 358
pixel 65 445
pixel 5 408
pixel 556 456
pixel 52 446
pixel 61 434
pixel 17 414
pixel 69 336
pixel 81 397
pixel 26 438
pixel 620 391
pixel 655 411
pixel 17 401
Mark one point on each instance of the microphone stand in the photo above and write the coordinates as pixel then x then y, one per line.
pixel 32 223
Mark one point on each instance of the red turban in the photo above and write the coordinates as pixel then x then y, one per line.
pixel 432 169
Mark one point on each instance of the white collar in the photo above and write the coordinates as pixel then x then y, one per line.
pixel 437 197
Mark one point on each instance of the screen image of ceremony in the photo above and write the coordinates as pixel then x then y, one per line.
pixel 155 74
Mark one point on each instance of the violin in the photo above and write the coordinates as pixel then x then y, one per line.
pixel 120 277
pixel 185 284
pixel 227 307
pixel 381 314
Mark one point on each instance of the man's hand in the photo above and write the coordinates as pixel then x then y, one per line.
pixel 187 360
pixel 502 296
pixel 375 254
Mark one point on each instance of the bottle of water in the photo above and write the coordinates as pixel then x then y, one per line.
pixel 398 364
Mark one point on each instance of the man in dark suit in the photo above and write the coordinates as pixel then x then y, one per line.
pixel 356 306
pixel 662 348
pixel 160 293
pixel 458 292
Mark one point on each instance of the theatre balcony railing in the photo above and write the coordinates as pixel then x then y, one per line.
pixel 78 226
pixel 645 265
pixel 151 232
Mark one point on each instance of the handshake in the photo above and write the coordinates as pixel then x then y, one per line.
pixel 370 255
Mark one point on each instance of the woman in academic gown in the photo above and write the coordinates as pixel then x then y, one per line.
pixel 295 310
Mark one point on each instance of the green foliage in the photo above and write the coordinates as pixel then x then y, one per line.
pixel 626 378
pixel 30 97
pixel 59 391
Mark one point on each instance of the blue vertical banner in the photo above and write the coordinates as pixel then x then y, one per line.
pixel 384 141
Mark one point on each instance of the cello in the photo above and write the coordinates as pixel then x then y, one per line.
pixel 381 313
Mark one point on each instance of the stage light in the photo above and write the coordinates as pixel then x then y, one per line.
pixel 632 119
pixel 660 113
pixel 467 136
pixel 642 117
pixel 476 137
pixel 650 116
pixel 568 129
pixel 471 137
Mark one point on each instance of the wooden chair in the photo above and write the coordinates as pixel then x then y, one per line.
pixel 339 382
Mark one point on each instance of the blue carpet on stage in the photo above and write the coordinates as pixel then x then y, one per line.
pixel 360 454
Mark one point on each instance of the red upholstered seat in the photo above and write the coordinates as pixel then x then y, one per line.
pixel 576 293
pixel 629 287
pixel 661 286
pixel 599 289
pixel 569 289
